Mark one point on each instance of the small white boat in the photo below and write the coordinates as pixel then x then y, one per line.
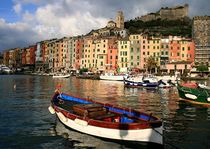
pixel 61 76
pixel 113 77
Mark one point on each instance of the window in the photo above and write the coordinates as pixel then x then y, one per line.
pixel 137 57
pixel 143 53
pixel 182 48
pixel 178 54
pixel 131 57
pixel 182 55
pixel 138 49
pixel 131 49
pixel 188 48
pixel 110 57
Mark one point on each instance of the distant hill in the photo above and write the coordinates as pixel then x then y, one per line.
pixel 180 27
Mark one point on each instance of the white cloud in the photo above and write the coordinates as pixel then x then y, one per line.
pixel 17 8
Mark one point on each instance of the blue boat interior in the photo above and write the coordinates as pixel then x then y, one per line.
pixel 124 114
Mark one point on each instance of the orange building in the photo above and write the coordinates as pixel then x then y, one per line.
pixel 175 50
pixel 112 57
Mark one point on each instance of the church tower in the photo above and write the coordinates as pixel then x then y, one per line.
pixel 120 20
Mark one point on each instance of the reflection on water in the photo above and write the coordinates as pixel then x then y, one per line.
pixel 24 113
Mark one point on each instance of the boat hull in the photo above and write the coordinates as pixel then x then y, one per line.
pixel 112 78
pixel 143 135
pixel 105 120
pixel 64 76
pixel 194 95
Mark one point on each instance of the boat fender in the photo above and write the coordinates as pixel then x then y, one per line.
pixel 81 122
pixel 190 96
pixel 52 111
pixel 208 99
pixel 62 117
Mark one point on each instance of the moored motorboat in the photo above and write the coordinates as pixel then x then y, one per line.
pixel 113 77
pixel 193 93
pixel 106 120
pixel 61 76
pixel 133 81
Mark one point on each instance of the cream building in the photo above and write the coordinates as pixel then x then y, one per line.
pixel 123 55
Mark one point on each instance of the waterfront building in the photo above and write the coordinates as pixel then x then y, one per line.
pixel 175 50
pixel 28 58
pixel 112 57
pixel 101 53
pixel 180 66
pixel 51 49
pixel 14 58
pixel 67 48
pixel 144 52
pixel 77 47
pixel 6 57
pixel 154 46
pixel 164 53
pixel 201 37
pixel 42 56
pixel 135 50
pixel 187 50
pixel 89 56
pixel 123 55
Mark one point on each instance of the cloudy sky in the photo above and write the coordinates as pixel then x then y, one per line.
pixel 25 22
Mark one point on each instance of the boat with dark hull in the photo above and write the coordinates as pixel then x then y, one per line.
pixel 106 120
pixel 194 93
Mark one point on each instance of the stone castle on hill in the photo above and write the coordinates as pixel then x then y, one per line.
pixel 174 13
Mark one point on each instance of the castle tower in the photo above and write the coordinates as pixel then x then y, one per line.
pixel 120 20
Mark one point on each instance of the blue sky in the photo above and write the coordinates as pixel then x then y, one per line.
pixel 25 22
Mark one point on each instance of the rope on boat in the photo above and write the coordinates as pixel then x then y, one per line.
pixel 164 140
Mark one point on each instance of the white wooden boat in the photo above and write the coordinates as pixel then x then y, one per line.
pixel 105 120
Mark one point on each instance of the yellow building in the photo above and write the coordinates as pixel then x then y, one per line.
pixel 101 52
pixel 123 55
pixel 89 54
pixel 154 49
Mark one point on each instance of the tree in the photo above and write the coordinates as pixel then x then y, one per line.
pixel 82 70
pixel 151 64
pixel 202 68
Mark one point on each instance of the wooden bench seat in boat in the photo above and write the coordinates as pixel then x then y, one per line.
pixel 108 115
pixel 89 110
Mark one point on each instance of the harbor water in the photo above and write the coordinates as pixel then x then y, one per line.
pixel 26 122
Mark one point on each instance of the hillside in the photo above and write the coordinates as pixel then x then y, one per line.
pixel 181 27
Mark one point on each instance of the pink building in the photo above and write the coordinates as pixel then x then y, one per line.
pixel 178 66
pixel 112 57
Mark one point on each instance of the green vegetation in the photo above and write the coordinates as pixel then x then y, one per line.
pixel 82 70
pixel 151 64
pixel 202 68
pixel 161 27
